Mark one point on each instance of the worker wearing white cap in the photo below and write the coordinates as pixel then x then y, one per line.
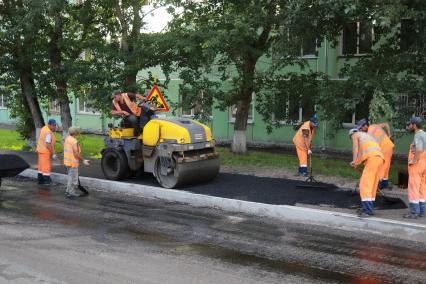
pixel 72 158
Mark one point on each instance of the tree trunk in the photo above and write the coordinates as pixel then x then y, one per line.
pixel 239 143
pixel 31 104
pixel 29 92
pixel 59 75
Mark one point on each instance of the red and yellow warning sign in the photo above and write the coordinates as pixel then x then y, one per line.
pixel 156 98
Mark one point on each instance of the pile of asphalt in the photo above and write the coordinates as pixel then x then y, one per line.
pixel 280 191
pixel 12 165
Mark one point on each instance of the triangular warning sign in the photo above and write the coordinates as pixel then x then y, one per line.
pixel 156 98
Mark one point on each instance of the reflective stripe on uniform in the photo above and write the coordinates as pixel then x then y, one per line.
pixel 368 147
pixel 41 142
pixel 132 105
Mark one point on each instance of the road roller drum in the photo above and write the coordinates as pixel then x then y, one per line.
pixel 176 151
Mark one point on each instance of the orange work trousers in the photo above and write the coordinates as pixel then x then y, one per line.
pixel 387 154
pixel 44 165
pixel 416 181
pixel 370 178
pixel 302 154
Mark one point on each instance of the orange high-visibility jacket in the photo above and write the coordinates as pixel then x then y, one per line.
pixel 41 143
pixel 133 106
pixel 298 139
pixel 412 152
pixel 367 147
pixel 380 135
pixel 69 159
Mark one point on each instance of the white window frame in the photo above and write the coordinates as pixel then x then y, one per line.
pixel 308 56
pixel 350 124
pixel 2 102
pixel 54 107
pixel 192 110
pixel 287 122
pixel 358 24
pixel 250 120
pixel 84 111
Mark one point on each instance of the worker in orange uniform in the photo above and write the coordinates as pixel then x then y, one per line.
pixel 126 106
pixel 46 151
pixel 381 132
pixel 72 158
pixel 417 170
pixel 365 149
pixel 303 142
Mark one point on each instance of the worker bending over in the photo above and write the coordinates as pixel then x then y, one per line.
pixel 46 151
pixel 126 106
pixel 72 158
pixel 381 132
pixel 303 142
pixel 417 170
pixel 365 149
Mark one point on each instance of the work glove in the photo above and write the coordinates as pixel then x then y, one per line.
pixel 54 157
pixel 309 152
pixel 86 162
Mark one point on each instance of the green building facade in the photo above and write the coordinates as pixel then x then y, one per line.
pixel 326 59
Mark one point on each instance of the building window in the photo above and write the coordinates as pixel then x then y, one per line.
pixel 309 47
pixel 86 107
pixel 233 111
pixel 3 102
pixel 286 110
pixel 357 38
pixel 405 109
pixel 54 108
pixel 192 107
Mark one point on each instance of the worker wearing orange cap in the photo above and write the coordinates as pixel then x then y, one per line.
pixel 381 132
pixel 46 151
pixel 366 150
pixel 417 170
pixel 303 142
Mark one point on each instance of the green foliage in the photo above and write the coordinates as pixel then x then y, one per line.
pixel 380 109
pixel 231 49
pixel 396 66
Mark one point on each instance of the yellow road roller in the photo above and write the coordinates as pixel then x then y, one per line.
pixel 177 151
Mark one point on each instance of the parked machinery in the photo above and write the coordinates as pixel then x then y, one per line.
pixel 177 151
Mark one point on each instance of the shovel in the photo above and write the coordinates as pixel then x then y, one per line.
pixel 387 199
pixel 80 187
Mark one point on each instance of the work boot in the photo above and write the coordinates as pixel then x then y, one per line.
pixel 422 206
pixel 72 195
pixel 414 209
pixel 383 184
pixel 362 214
pixel 303 171
pixel 367 207
pixel 47 180
pixel 410 216
pixel 40 179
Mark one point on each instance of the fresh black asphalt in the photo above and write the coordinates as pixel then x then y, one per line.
pixel 267 190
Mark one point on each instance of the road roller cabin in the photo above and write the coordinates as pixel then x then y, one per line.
pixel 177 151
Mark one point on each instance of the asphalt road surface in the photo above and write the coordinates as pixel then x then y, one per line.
pixel 107 238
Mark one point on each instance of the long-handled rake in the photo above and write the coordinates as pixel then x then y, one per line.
pixel 311 179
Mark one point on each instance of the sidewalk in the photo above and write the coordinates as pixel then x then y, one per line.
pixel 275 191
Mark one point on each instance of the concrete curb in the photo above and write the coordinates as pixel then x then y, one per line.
pixel 344 221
